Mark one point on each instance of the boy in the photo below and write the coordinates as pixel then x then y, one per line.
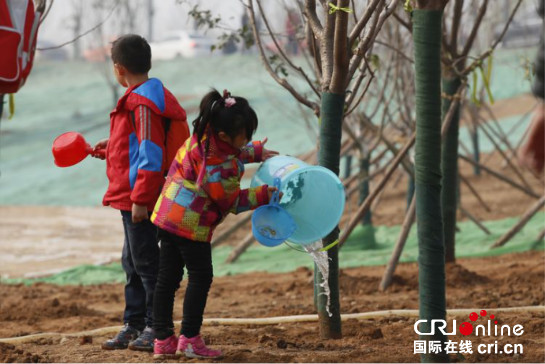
pixel 135 166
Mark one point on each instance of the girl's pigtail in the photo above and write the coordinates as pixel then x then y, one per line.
pixel 200 126
pixel 206 109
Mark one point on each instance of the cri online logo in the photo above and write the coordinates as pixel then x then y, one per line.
pixel 466 328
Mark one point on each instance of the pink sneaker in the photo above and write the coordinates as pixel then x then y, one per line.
pixel 196 348
pixel 165 348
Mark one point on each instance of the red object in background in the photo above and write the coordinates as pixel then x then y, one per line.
pixel 18 30
pixel 71 148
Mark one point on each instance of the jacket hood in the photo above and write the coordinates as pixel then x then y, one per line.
pixel 154 95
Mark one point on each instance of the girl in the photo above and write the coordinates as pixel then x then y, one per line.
pixel 202 187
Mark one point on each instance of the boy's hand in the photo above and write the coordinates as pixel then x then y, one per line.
pixel 271 190
pixel 139 213
pixel 267 153
pixel 99 151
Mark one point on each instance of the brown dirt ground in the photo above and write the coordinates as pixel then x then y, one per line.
pixel 505 281
pixel 512 280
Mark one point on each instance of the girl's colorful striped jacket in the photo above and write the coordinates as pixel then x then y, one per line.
pixel 197 196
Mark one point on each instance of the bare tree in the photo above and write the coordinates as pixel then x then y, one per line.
pixel 76 24
pixel 125 21
pixel 339 38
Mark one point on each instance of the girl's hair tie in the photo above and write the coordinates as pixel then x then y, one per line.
pixel 229 101
pixel 213 104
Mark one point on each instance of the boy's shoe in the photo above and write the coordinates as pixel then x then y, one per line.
pixel 122 339
pixel 165 348
pixel 144 342
pixel 196 348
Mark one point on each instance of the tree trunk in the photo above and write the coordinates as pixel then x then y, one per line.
pixel 150 20
pixel 431 250
pixel 410 190
pixel 332 110
pixel 78 19
pixel 474 131
pixel 364 187
pixel 368 238
pixel 449 165
pixel 347 165
pixel 476 151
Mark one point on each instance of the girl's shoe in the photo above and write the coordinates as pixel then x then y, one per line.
pixel 165 348
pixel 196 348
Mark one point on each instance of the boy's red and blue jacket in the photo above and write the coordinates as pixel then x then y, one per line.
pixel 197 196
pixel 135 154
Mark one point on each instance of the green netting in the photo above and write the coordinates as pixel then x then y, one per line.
pixel 51 103
pixel 470 242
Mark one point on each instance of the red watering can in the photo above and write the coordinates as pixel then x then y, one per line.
pixel 71 148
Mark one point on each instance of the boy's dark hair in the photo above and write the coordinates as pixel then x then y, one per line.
pixel 132 52
pixel 230 119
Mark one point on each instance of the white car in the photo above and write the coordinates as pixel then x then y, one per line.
pixel 181 44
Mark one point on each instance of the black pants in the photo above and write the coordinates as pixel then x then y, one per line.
pixel 140 261
pixel 196 257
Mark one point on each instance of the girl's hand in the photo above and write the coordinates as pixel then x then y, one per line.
pixel 99 151
pixel 271 190
pixel 267 153
pixel 139 213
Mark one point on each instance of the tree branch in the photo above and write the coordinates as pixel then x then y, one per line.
pixel 282 81
pixel 393 48
pixel 476 25
pixel 456 18
pixel 41 7
pixel 310 12
pixel 371 36
pixel 340 51
pixel 356 31
pixel 361 96
pixel 281 51
pixel 478 61
pixel 314 49
pixel 326 50
pixel 83 34
pixel 406 24
pixel 359 54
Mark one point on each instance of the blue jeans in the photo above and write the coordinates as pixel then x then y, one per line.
pixel 140 261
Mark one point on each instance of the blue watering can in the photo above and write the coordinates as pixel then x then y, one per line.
pixel 313 196
pixel 271 224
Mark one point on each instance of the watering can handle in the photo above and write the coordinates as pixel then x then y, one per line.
pixel 274 198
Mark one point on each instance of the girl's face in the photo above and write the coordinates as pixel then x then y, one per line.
pixel 237 142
